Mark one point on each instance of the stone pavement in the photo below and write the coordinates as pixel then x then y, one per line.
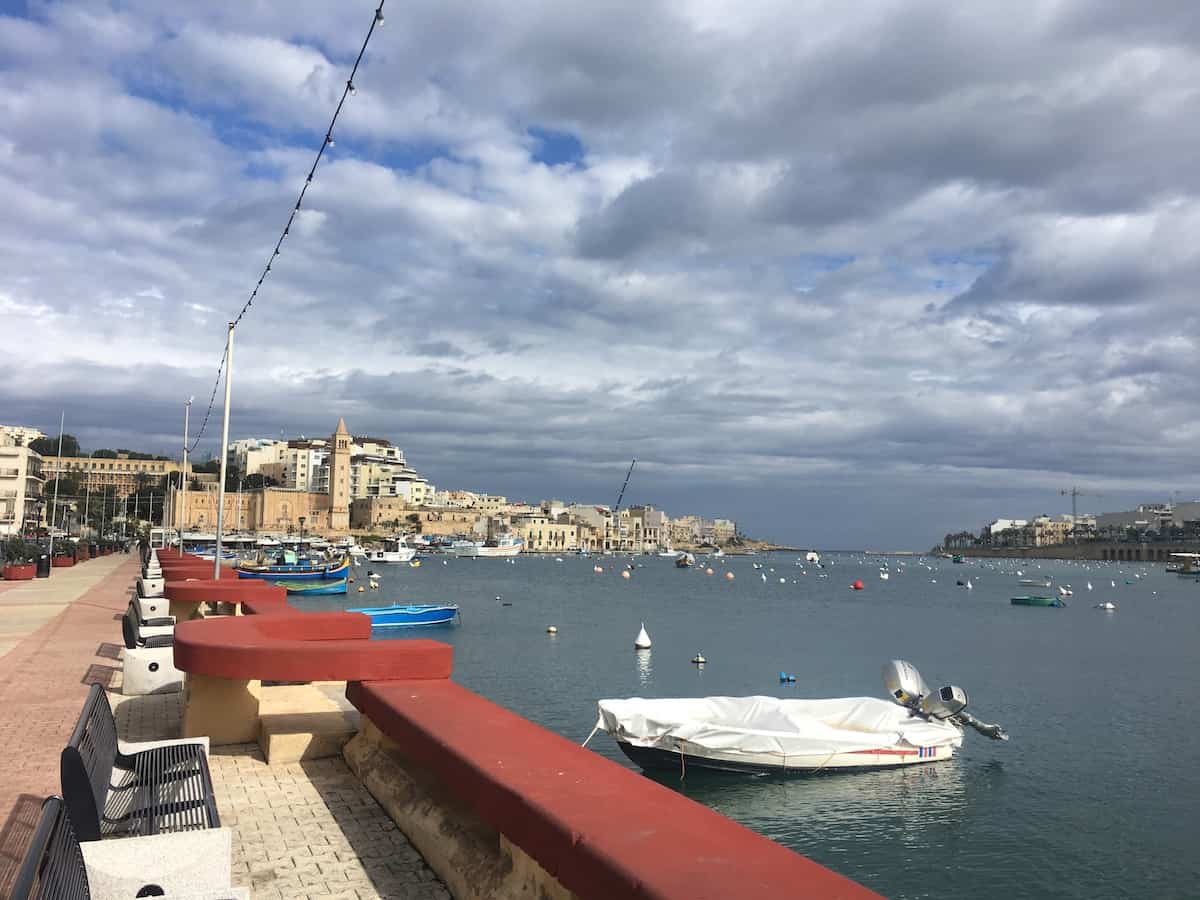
pixel 60 623
pixel 27 605
pixel 309 829
pixel 304 830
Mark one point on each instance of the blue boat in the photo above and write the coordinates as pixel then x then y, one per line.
pixel 406 615
pixel 295 572
pixel 313 588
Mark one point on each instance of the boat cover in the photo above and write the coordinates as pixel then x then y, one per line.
pixel 771 726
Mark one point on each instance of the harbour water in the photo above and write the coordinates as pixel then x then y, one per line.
pixel 1097 794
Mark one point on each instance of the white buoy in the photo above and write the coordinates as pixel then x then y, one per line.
pixel 1107 604
pixel 1089 585
pixel 642 641
pixel 551 629
pixel 729 576
pixel 699 659
pixel 763 577
pixel 970 587
pixel 783 581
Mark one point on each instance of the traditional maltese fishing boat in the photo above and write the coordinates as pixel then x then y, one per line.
pixel 292 570
pixel 315 587
pixel 767 735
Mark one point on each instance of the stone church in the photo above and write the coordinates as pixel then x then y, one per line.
pixel 274 510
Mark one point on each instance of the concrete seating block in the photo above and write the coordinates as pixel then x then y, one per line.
pixel 150 670
pixel 151 586
pixel 187 863
pixel 224 709
pixel 151 608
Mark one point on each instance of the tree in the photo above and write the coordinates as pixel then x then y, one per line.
pixel 104 454
pixel 257 481
pixel 209 467
pixel 48 446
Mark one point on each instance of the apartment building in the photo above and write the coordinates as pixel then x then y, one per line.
pixel 22 503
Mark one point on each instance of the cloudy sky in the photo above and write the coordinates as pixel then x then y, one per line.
pixel 855 274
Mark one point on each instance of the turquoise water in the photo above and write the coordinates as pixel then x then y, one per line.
pixel 1096 795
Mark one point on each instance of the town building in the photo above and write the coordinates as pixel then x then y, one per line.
pixel 279 510
pixel 121 474
pixel 22 504
pixel 542 533
pixel 21 435
pixel 259 456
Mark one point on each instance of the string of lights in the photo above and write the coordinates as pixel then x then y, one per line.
pixel 348 90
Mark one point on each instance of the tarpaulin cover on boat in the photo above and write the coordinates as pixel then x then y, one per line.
pixel 771 726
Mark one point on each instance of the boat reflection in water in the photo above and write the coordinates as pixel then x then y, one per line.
pixel 824 811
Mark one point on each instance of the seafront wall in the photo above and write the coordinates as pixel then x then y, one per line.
pixel 498 806
pixel 1090 550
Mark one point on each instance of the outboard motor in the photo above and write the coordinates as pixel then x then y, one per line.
pixel 906 686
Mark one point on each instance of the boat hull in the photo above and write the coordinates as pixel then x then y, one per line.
pixel 408 616
pixel 313 588
pixel 657 758
pixel 1038 601
pixel 296 573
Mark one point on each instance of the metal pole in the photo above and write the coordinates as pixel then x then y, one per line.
pixel 224 450
pixel 57 478
pixel 87 496
pixel 187 411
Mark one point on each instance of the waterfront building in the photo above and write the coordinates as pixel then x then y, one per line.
pixel 21 435
pixel 118 473
pixel 22 501
pixel 653 527
pixel 306 465
pixel 545 533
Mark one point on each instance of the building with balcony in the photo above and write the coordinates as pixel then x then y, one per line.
pixel 22 501
pixel 121 475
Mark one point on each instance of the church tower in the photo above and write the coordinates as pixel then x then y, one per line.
pixel 339 479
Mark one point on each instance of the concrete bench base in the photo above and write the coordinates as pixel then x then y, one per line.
pixel 224 709
pixel 299 722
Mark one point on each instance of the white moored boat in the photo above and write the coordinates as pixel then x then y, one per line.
pixel 503 546
pixel 394 550
pixel 767 735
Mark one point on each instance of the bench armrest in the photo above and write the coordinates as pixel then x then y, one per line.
pixel 182 864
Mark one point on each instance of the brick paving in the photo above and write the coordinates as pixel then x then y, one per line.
pixel 308 830
pixel 44 679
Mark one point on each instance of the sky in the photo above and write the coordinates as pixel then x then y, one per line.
pixel 857 275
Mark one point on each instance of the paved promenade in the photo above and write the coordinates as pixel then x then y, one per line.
pixel 52 629
pixel 306 830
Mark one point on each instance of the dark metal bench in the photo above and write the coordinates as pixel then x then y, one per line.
pixel 129 630
pixel 53 866
pixel 107 792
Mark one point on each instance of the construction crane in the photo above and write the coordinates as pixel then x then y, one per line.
pixel 621 495
pixel 1075 493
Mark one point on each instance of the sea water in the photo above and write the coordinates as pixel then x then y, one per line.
pixel 1097 794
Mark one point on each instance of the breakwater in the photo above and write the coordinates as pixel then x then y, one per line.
pixel 1092 550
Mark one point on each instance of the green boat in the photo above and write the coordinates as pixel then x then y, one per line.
pixel 311 588
pixel 1037 601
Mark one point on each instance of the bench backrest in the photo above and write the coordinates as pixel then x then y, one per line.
pixel 86 763
pixel 53 867
pixel 129 628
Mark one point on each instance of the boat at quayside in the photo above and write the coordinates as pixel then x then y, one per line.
pixel 394 550
pixel 507 545
pixel 767 735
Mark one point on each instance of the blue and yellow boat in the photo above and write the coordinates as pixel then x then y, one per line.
pixel 313 588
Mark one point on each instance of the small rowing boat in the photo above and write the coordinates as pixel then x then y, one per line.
pixel 1038 601
pixel 402 615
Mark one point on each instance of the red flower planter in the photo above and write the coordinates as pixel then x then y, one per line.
pixel 62 562
pixel 20 573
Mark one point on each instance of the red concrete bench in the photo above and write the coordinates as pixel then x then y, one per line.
pixel 186 596
pixel 227 658
pixel 602 830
